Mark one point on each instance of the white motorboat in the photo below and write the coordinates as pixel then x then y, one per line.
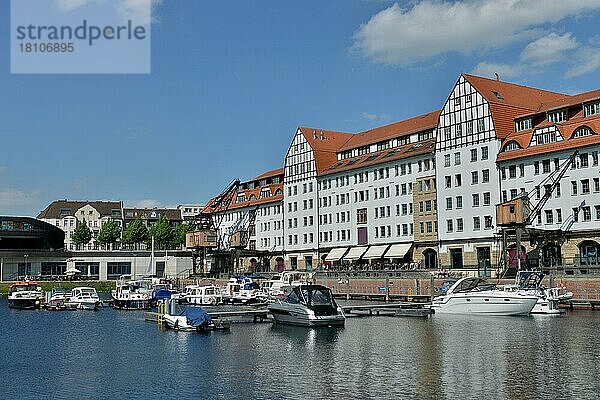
pixel 191 319
pixel 475 296
pixel 57 298
pixel 83 298
pixel 280 285
pixel 308 305
pixel 25 295
pixel 243 290
pixel 201 295
pixel 530 282
pixel 132 294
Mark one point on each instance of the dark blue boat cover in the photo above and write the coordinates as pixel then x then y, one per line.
pixel 196 316
pixel 161 294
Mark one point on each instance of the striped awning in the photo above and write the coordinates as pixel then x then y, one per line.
pixel 336 254
pixel 375 252
pixel 355 253
pixel 398 250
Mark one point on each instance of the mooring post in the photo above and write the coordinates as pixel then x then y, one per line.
pixel 387 289
pixel 432 284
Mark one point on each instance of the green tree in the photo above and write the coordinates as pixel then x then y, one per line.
pixel 179 236
pixel 163 233
pixel 81 234
pixel 110 233
pixel 135 233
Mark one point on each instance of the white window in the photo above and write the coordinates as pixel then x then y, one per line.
pixel 523 124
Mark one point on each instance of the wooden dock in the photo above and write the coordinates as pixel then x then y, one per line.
pixel 258 315
pixel 389 309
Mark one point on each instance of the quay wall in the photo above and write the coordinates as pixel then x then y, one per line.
pixel 583 288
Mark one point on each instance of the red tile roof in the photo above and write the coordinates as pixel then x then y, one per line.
pixel 268 174
pixel 507 101
pixel 570 100
pixel 566 129
pixel 397 129
pixel 409 150
pixel 324 149
pixel 512 94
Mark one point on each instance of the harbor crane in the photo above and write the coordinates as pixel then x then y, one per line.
pixel 515 216
pixel 205 235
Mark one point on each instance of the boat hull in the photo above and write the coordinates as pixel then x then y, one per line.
pixel 304 317
pixel 82 305
pixel 484 304
pixel 24 303
pixel 179 323
pixel 135 304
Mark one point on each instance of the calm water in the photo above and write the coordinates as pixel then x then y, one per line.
pixel 115 354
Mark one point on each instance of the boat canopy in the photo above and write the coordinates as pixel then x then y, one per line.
pixel 470 285
pixel 398 250
pixel 336 254
pixel 196 316
pixel 355 253
pixel 375 252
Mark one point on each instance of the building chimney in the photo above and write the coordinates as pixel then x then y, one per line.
pixel 497 76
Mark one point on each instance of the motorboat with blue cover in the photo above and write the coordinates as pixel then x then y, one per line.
pixel 308 305
pixel 191 319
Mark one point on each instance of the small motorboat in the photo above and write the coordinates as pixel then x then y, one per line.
pixel 132 294
pixel 308 305
pixel 25 295
pixel 57 299
pixel 83 298
pixel 190 320
pixel 530 282
pixel 476 296
pixel 203 295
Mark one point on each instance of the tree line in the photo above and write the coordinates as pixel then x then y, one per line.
pixel 136 233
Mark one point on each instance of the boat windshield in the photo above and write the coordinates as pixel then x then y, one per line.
pixel 24 288
pixel 472 285
pixel 313 296
pixel 529 279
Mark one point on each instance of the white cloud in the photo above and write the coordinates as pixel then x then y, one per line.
pixel 489 70
pixel 375 117
pixel 144 203
pixel 142 12
pixel 586 60
pixel 16 198
pixel 549 49
pixel 69 5
pixel 429 29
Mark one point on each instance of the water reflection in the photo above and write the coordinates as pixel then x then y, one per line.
pixel 113 354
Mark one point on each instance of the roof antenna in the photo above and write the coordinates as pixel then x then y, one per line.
pixel 497 76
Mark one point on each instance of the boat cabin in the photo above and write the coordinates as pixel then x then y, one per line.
pixel 316 297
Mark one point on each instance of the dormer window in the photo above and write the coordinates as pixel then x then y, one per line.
pixel 591 108
pixel 545 137
pixel 383 145
pixel 345 154
pixel 265 193
pixel 582 131
pixel 557 116
pixel 523 124
pixel 240 198
pixel 512 145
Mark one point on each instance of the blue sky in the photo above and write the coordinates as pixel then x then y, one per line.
pixel 231 81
